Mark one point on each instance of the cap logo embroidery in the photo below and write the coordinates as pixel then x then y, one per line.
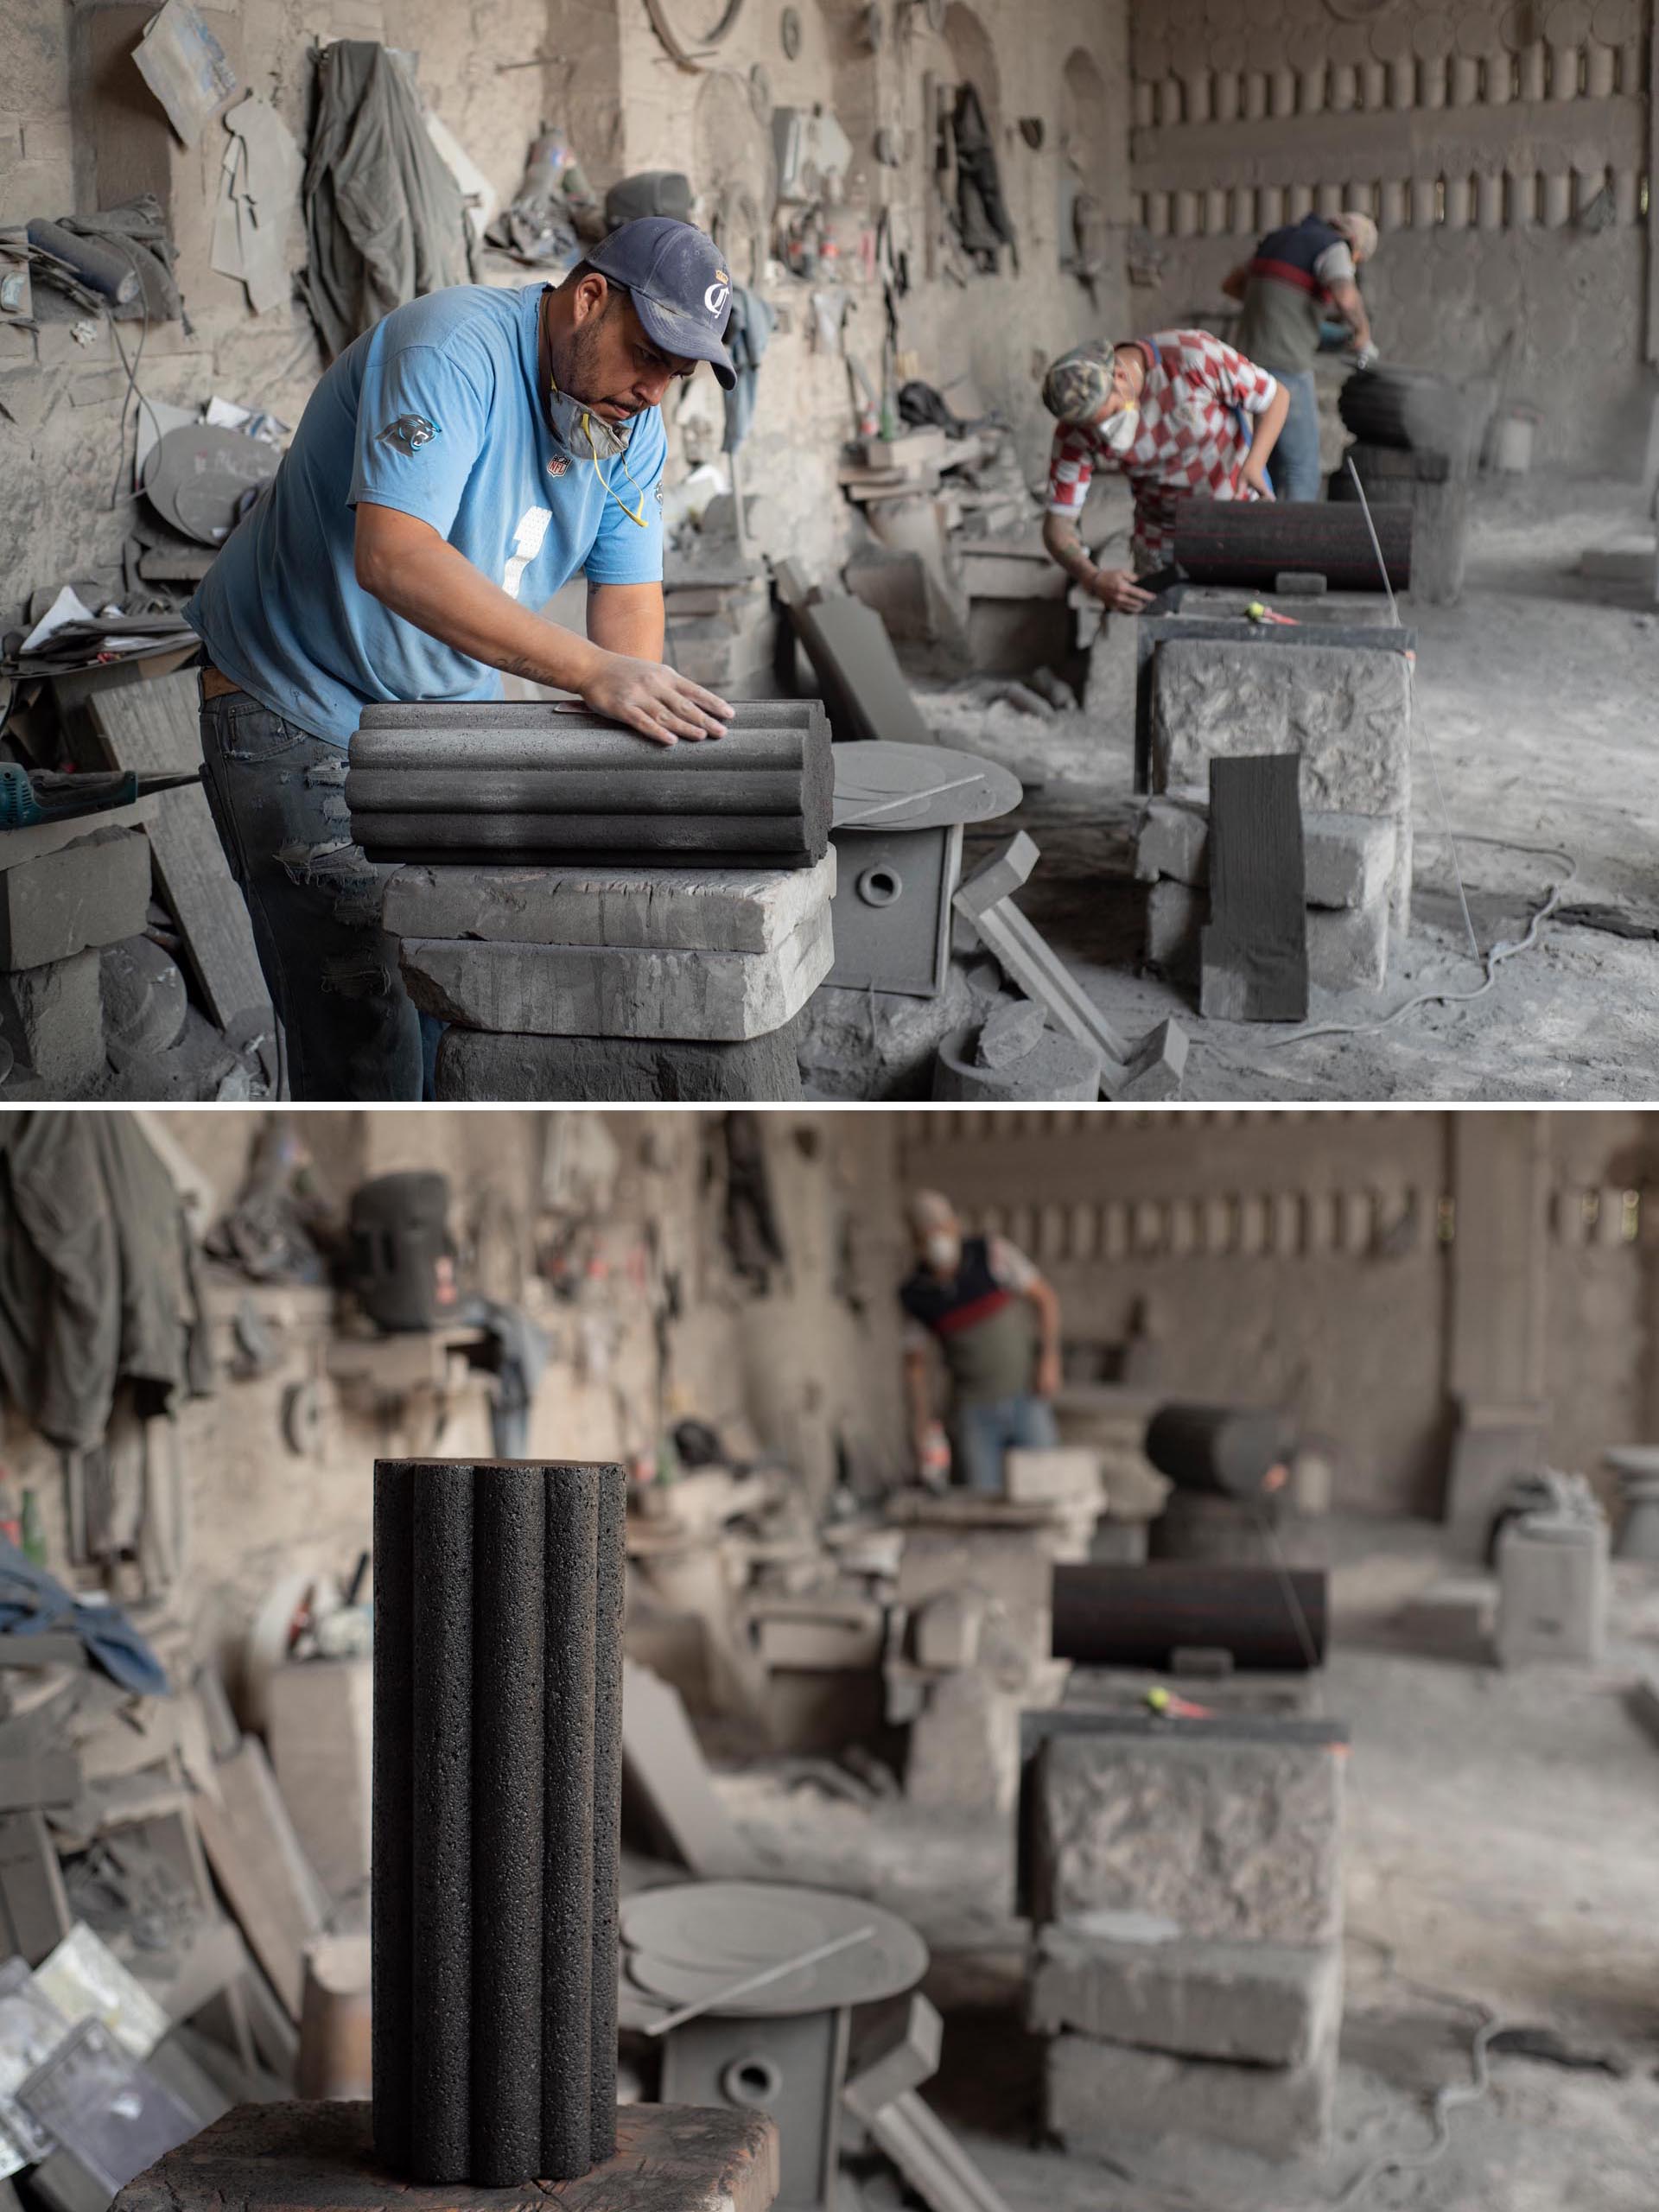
pixel 408 432
pixel 718 293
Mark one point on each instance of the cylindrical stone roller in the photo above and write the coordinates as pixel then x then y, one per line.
pixel 105 268
pixel 497 1801
pixel 1271 1619
pixel 685 835
pixel 1251 543
pixel 1231 1450
pixel 557 790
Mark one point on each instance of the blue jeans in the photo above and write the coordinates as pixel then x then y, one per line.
pixel 980 1435
pixel 1293 464
pixel 278 796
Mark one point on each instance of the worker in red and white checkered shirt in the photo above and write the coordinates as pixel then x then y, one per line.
pixel 1178 414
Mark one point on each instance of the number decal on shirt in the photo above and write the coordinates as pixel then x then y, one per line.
pixel 526 544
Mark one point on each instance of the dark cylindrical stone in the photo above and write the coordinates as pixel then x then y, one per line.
pixel 571 1504
pixel 1248 543
pixel 1267 1619
pixel 508 1818
pixel 440 1816
pixel 1230 1449
pixel 421 733
pixel 391 1895
pixel 607 1804
pixel 498 1675
pixel 687 837
pixel 551 788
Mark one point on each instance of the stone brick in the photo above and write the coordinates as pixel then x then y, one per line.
pixel 1009 1034
pixel 1259 2004
pixel 1345 711
pixel 948 1629
pixel 555 990
pixel 1174 840
pixel 475 1065
pixel 1057 1068
pixel 1104 2098
pixel 1348 947
pixel 1059 1476
pixel 657 910
pixel 51 1020
pixel 965 1746
pixel 1175 921
pixel 144 997
pixel 1227 1838
pixel 93 892
pixel 1348 858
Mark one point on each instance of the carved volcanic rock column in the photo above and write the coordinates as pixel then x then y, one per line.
pixel 498 1726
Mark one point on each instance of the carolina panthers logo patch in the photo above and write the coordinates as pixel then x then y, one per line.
pixel 408 432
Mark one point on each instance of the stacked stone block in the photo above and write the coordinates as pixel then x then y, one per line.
pixel 1346 711
pixel 68 892
pixel 1186 1907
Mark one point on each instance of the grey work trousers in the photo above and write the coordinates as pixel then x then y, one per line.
pixel 278 800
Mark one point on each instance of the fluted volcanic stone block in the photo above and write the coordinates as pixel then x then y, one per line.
pixel 498 1711
pixel 512 778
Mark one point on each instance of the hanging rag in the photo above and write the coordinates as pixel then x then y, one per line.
pixel 747 334
pixel 982 219
pixel 385 219
pixel 99 1276
pixel 34 1603
pixel 515 1354
pixel 755 1241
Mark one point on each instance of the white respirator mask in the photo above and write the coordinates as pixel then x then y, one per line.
pixel 944 1252
pixel 1121 430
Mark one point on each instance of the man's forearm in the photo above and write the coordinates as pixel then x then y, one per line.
pixel 918 1396
pixel 1062 542
pixel 627 619
pixel 1349 302
pixel 1045 1299
pixel 1269 424
pixel 436 587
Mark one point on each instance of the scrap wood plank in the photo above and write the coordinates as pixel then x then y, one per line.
pixel 34 1907
pixel 1254 947
pixel 153 728
pixel 661 1762
pixel 258 1863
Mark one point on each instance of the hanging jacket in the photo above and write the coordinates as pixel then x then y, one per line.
pixel 983 218
pixel 385 219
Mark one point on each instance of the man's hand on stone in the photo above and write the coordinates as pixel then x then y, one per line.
pixel 1116 588
pixel 1256 478
pixel 655 701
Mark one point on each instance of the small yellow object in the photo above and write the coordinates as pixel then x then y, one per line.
pixel 1255 612
pixel 1157 1698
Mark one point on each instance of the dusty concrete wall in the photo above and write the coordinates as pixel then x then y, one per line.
pixel 801 1368
pixel 78 128
pixel 1502 151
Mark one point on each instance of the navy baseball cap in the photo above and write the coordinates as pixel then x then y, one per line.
pixel 681 288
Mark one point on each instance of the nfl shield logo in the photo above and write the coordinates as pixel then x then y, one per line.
pixel 557 466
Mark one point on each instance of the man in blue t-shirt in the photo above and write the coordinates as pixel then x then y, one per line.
pixel 457 464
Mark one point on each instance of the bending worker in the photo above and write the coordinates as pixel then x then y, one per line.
pixel 1298 275
pixel 996 1324
pixel 455 466
pixel 1178 414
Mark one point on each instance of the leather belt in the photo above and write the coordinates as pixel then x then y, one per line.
pixel 214 682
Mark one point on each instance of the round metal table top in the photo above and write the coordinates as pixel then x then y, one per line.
pixel 881 784
pixel 692 1940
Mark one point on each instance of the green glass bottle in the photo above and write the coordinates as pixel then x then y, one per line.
pixel 34 1531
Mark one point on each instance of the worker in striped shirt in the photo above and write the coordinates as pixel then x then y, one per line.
pixel 1180 415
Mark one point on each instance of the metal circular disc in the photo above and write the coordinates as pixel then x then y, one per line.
pixel 882 784
pixel 195 475
pixel 724 1914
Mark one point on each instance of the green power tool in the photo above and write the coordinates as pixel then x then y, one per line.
pixel 27 800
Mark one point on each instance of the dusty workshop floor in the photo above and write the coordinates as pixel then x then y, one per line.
pixel 1539 696
pixel 1502 1851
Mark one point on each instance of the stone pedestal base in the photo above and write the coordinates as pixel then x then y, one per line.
pixel 319 2158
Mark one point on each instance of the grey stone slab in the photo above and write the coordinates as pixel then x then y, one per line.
pixel 1175 920
pixel 1009 1034
pixel 1254 948
pixel 90 893
pixel 1347 713
pixel 1231 1840
pixel 17 846
pixel 1174 839
pixel 52 1023
pixel 1349 858
pixel 474 1066
pixel 651 910
pixel 1055 1068
pixel 586 991
pixel 1259 2004
pixel 1348 948
pixel 1104 2098
pixel 1553 1586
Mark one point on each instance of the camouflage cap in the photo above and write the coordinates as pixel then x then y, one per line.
pixel 1079 383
